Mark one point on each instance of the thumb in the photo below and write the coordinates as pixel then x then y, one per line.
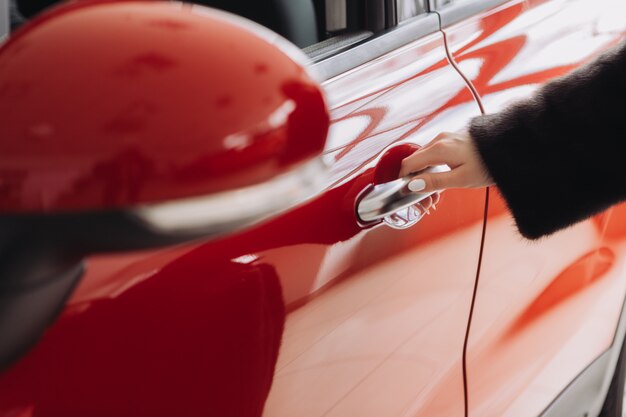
pixel 429 182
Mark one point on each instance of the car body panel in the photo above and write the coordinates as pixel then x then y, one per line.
pixel 544 310
pixel 336 319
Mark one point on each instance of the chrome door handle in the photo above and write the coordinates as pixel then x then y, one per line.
pixel 383 200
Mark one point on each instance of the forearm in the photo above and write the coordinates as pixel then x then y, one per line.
pixel 559 157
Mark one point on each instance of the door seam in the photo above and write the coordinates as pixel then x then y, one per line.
pixel 478 101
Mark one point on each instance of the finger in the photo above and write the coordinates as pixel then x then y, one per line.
pixel 425 204
pixel 436 198
pixel 425 209
pixel 442 135
pixel 437 154
pixel 429 182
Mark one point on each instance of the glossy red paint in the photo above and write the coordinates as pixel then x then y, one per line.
pixel 544 310
pixel 338 319
pixel 574 279
pixel 109 105
pixel 388 167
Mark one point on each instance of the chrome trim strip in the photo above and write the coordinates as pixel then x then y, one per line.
pixel 455 13
pixel 585 395
pixel 232 210
pixel 376 47
pixel 4 20
pixel 577 397
pixel 332 46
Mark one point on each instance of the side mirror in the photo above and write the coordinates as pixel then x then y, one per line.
pixel 130 125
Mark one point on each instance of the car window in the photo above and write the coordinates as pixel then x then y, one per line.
pixel 343 24
pixel 406 9
pixel 372 15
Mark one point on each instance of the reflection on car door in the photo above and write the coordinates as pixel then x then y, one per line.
pixel 544 310
pixel 306 315
pixel 387 339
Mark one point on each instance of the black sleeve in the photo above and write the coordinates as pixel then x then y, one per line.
pixel 560 157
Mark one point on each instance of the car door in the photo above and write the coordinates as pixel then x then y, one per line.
pixel 387 356
pixel 544 310
pixel 310 314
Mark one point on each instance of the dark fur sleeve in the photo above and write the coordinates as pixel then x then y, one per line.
pixel 560 157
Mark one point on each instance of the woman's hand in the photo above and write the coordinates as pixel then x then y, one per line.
pixel 457 150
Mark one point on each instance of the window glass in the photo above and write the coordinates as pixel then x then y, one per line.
pixel 14 16
pixel 406 9
pixel 341 24
pixel 336 15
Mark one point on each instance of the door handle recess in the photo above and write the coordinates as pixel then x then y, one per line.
pixel 383 200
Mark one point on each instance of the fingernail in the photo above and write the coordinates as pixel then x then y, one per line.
pixel 417 185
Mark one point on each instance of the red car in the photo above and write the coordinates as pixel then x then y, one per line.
pixel 200 219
